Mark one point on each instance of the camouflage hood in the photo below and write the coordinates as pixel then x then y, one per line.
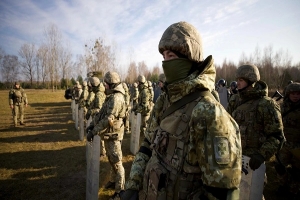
pixel 203 78
pixel 119 88
pixel 260 89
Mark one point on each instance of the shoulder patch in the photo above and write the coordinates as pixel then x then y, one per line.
pixel 222 151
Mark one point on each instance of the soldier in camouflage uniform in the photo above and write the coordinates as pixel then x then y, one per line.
pixel 288 167
pixel 192 146
pixel 134 96
pixel 109 125
pixel 17 98
pixel 143 105
pixel 127 100
pixel 98 89
pixel 258 116
pixel 83 100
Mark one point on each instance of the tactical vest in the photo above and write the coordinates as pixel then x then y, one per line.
pixel 167 175
pixel 250 123
pixel 17 97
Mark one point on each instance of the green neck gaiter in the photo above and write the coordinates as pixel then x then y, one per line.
pixel 176 69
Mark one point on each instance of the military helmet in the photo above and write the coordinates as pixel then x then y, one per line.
pixel 112 77
pixel 293 87
pixel 290 82
pixel 17 83
pixel 162 78
pixel 184 38
pixel 149 83
pixel 249 72
pixel 222 82
pixel 141 79
pixel 94 81
pixel 233 84
pixel 135 84
pixel 84 83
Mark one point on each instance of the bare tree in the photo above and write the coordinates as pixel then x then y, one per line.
pixel 143 69
pixel 28 53
pixel 53 43
pixel 42 62
pixel 131 73
pixel 10 68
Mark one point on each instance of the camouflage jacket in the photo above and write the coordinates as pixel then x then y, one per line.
pixel 291 120
pixel 17 97
pixel 83 97
pixel 109 120
pixel 99 99
pixel 208 121
pixel 134 97
pixel 90 99
pixel 259 119
pixel 143 105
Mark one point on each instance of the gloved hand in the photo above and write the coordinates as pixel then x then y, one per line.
pixel 87 115
pixel 89 135
pixel 255 161
pixel 130 195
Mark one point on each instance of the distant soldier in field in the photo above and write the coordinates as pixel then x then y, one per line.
pixel 83 99
pixel 17 98
pixel 288 167
pixel 134 95
pixel 127 100
pixel 151 93
pixel 143 105
pixel 109 125
pixel 98 89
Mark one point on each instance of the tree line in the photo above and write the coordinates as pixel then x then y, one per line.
pixel 51 65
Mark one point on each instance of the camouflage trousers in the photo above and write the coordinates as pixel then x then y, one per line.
pixel 292 176
pixel 117 172
pixel 18 112
pixel 144 119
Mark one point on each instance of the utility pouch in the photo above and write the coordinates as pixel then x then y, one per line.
pixel 155 180
pixel 110 136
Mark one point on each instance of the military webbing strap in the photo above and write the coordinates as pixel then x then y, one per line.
pixel 290 110
pixel 185 100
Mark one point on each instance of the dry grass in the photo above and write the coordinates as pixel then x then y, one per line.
pixel 45 159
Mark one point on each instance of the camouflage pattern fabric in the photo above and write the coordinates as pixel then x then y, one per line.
pixel 143 105
pixel 287 157
pixel 99 99
pixel 17 98
pixel 108 123
pixel 209 120
pixel 84 97
pixel 134 97
pixel 127 100
pixel 259 119
pixel 183 38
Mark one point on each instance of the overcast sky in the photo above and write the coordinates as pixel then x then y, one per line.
pixel 227 27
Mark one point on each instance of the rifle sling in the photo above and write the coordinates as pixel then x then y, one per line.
pixel 290 110
pixel 185 100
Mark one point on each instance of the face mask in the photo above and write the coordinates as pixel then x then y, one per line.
pixel 176 69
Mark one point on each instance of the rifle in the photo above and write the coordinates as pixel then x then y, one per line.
pixel 278 95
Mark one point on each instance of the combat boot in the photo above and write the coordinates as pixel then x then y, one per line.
pixel 22 123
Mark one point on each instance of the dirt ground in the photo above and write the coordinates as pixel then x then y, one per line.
pixel 46 160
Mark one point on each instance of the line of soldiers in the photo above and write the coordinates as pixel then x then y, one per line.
pixel 106 102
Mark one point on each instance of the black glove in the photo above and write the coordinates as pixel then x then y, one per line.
pixel 255 161
pixel 89 135
pixel 87 115
pixel 130 195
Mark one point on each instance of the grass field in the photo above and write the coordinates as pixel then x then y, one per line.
pixel 46 160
